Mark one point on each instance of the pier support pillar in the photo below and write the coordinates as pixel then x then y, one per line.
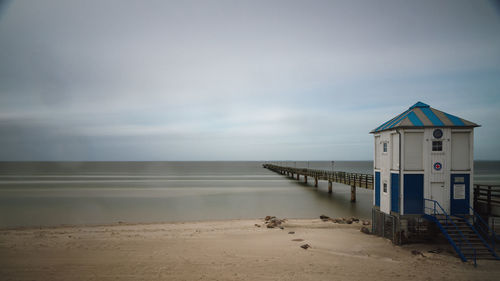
pixel 315 182
pixel 329 186
pixel 353 193
pixel 305 179
pixel 298 176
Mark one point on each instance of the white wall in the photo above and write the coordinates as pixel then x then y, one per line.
pixel 413 150
pixel 433 177
pixel 418 158
pixel 460 151
pixel 384 163
pixel 455 157
pixel 395 151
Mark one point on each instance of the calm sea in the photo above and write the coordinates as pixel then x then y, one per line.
pixel 58 193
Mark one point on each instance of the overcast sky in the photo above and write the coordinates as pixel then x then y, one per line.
pixel 238 80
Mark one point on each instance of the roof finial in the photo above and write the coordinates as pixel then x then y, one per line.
pixel 419 104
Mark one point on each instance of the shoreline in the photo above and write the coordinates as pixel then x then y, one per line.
pixel 224 250
pixel 124 223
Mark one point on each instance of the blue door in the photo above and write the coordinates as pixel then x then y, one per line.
pixel 395 193
pixel 413 193
pixel 377 189
pixel 459 194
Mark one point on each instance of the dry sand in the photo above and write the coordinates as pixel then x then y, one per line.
pixel 223 250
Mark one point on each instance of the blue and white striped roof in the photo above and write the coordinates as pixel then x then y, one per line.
pixel 421 115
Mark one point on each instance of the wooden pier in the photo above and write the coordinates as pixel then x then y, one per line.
pixel 352 179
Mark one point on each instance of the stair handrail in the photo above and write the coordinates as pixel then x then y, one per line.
pixel 464 239
pixel 491 248
pixel 493 237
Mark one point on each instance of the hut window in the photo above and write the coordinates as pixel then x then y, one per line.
pixel 437 146
pixel 385 146
pixel 385 187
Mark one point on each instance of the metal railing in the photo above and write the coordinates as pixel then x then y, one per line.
pixel 449 222
pixel 484 228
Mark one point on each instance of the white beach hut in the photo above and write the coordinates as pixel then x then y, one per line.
pixel 423 163
pixel 423 153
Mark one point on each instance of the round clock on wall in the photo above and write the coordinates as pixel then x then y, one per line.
pixel 437 133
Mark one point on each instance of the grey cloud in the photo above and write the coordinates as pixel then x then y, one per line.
pixel 150 78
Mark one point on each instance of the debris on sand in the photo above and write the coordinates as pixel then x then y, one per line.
pixel 297 240
pixel 305 246
pixel 324 218
pixel 257 225
pixel 365 230
pixel 416 252
pixel 269 218
pixel 273 222
pixel 435 251
pixel 345 220
pixel 349 220
pixel 291 232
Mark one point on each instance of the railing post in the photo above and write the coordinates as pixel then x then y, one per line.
pixel 489 200
pixel 476 196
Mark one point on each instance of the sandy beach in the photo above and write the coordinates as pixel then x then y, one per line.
pixel 224 250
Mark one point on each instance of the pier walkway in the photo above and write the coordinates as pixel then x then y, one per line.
pixel 352 179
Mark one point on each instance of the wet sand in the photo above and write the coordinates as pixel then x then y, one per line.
pixel 224 250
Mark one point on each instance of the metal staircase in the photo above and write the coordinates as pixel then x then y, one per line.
pixel 471 237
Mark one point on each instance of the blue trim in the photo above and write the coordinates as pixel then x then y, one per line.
pixel 455 120
pixel 419 105
pixel 415 120
pixel 413 193
pixel 377 189
pixel 432 117
pixel 395 193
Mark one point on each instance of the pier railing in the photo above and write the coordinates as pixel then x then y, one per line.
pixel 352 179
pixel 487 194
pixel 487 203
